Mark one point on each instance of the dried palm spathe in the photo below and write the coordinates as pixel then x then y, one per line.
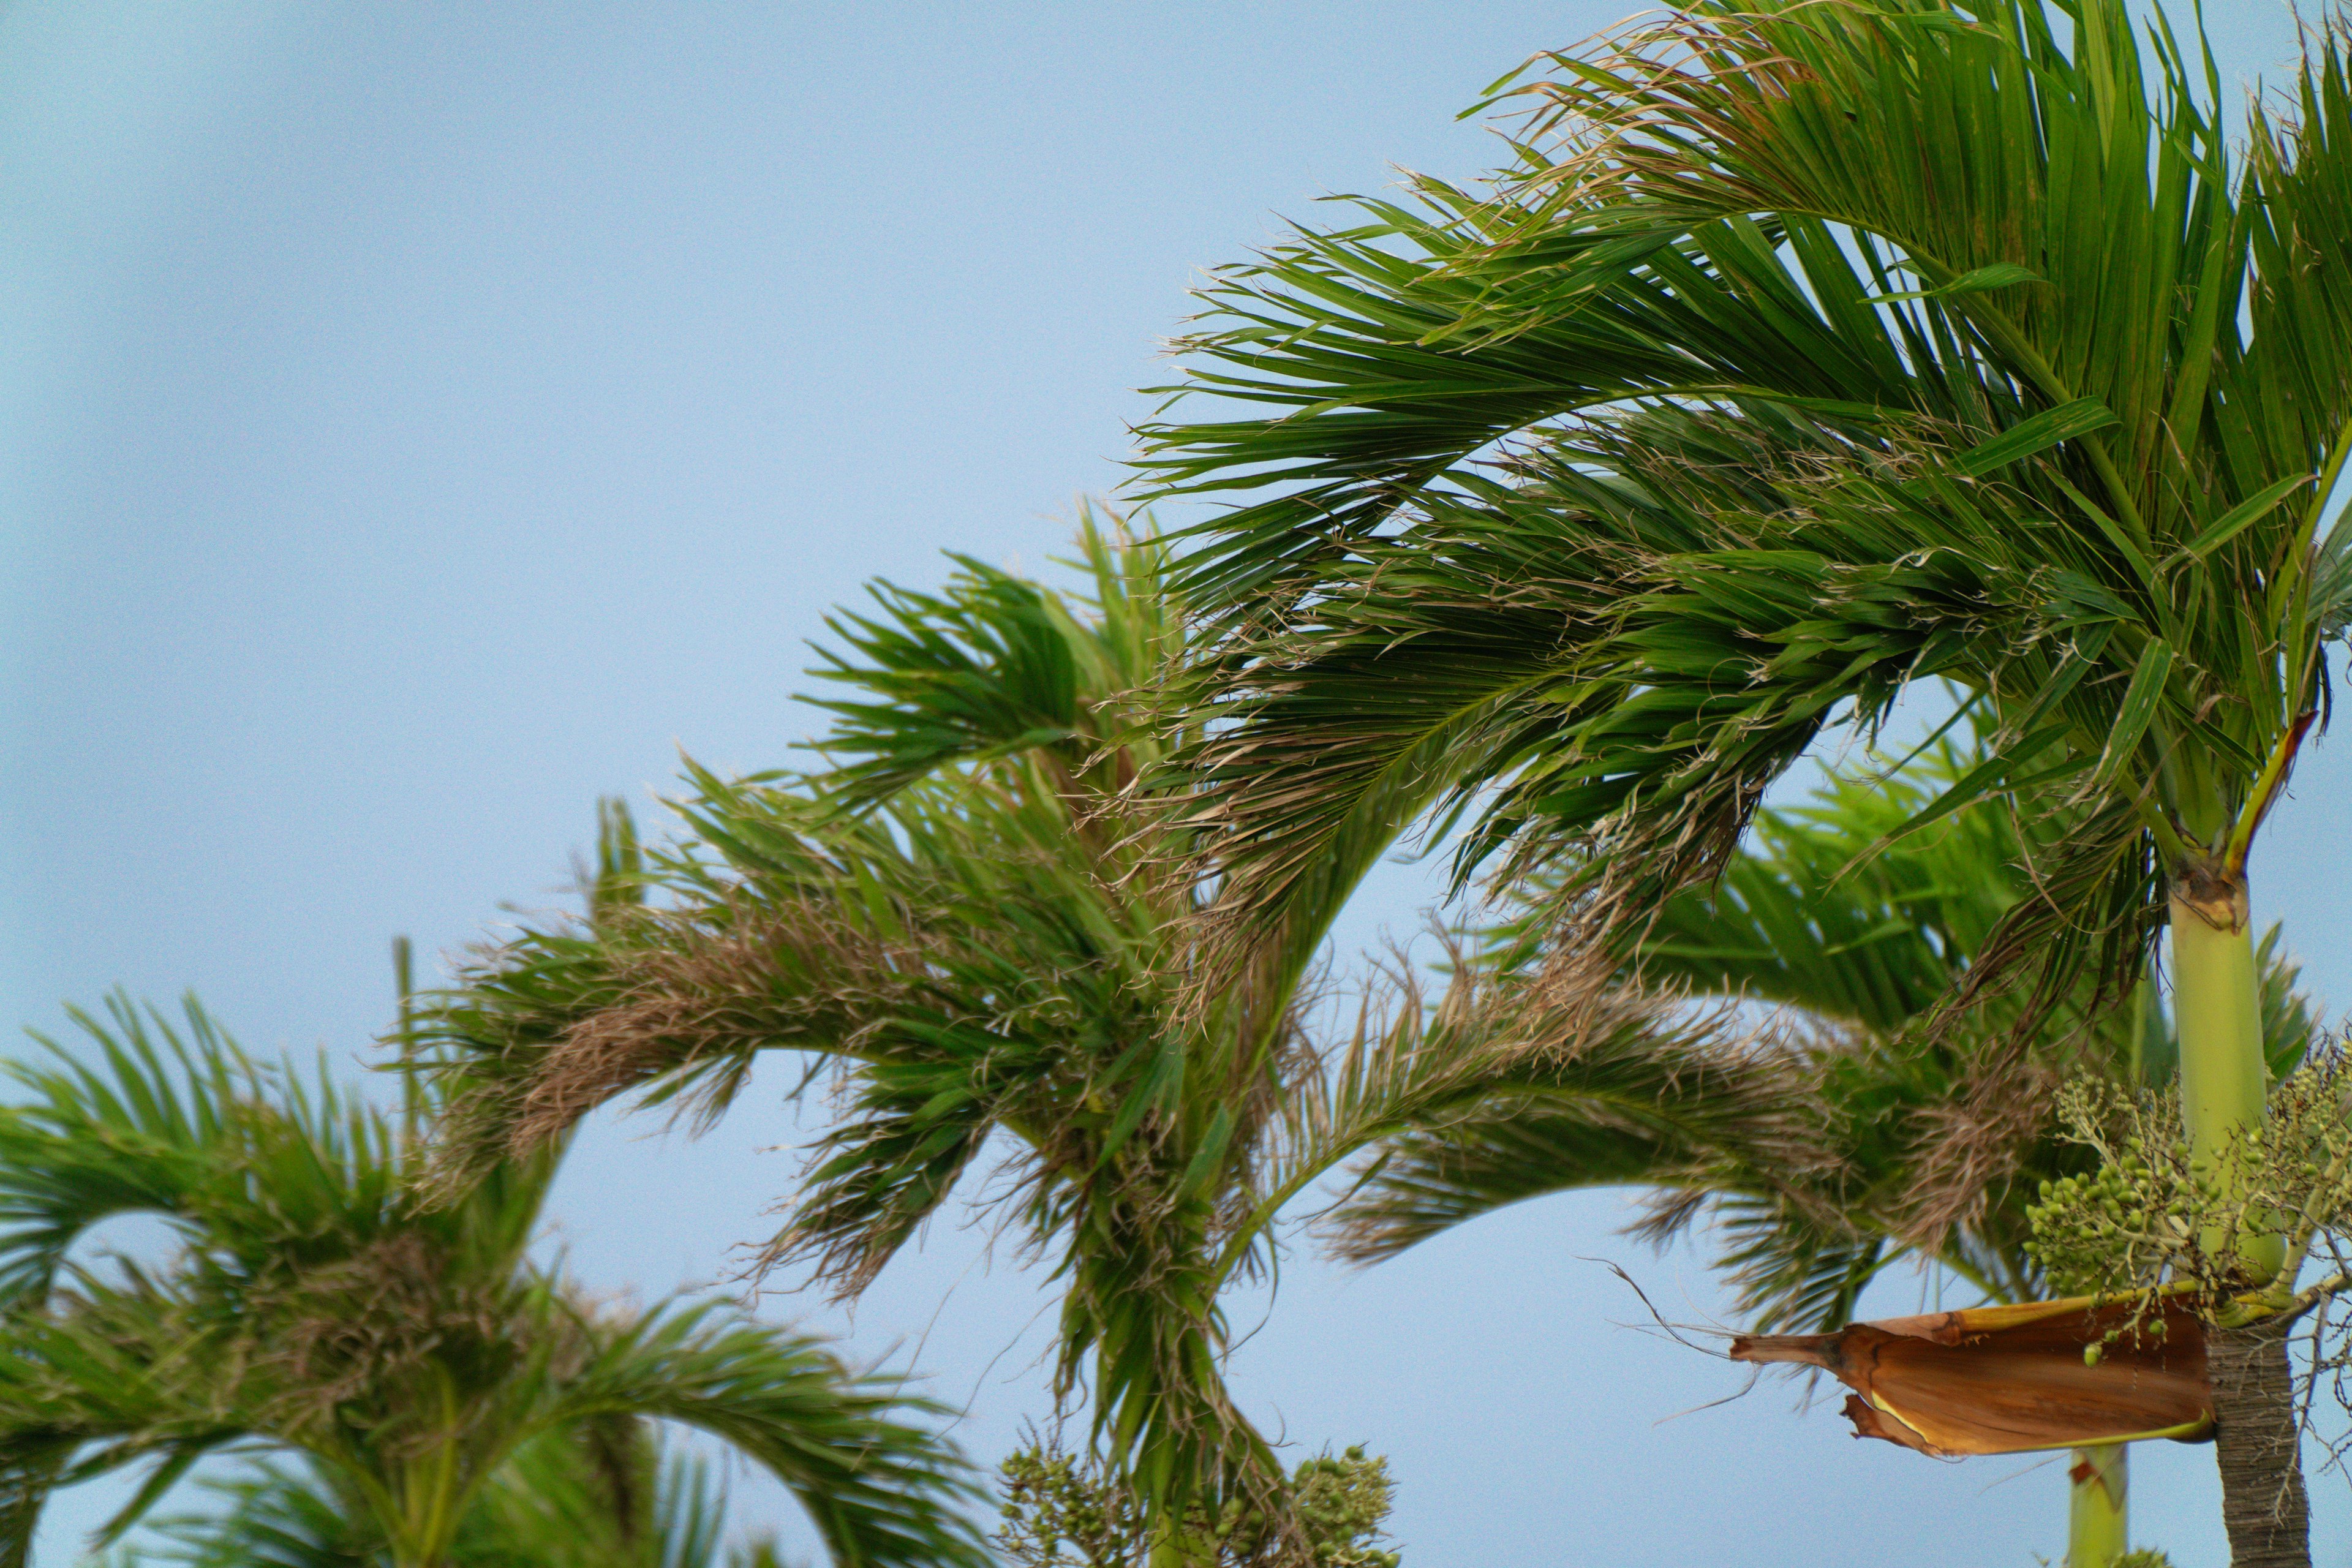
pixel 2010 1379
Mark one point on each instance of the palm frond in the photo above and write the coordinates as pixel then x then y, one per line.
pixel 272 1516
pixel 552 1505
pixel 999 666
pixel 318 1305
pixel 140 1131
pixel 1885 1140
pixel 879 1490
pixel 1785 426
pixel 1621 1089
pixel 1789 1268
pixel 981 922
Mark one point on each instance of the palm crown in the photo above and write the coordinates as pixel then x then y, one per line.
pixel 963 914
pixel 405 1351
pixel 1833 348
pixel 984 916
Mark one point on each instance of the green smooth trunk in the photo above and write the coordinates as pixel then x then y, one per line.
pixel 2098 1512
pixel 2218 1009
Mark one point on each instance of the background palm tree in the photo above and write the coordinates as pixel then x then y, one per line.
pixel 405 1351
pixel 1834 349
pixel 557 1503
pixel 991 933
pixel 1902 1162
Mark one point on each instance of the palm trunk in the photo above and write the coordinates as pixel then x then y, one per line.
pixel 2218 1003
pixel 2257 1447
pixel 2223 1083
pixel 2098 1523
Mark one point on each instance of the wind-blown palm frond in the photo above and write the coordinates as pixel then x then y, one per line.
pixel 961 915
pixel 1909 1143
pixel 986 923
pixel 871 1481
pixel 1554 1085
pixel 272 1516
pixel 319 1306
pixel 1000 666
pixel 1621 1082
pixel 2046 406
pixel 141 1131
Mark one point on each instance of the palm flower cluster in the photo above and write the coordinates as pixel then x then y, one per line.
pixel 2230 1228
pixel 2154 1215
pixel 1061 1511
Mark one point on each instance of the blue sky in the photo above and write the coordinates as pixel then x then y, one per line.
pixel 420 420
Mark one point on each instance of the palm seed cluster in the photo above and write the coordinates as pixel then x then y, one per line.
pixel 2153 1215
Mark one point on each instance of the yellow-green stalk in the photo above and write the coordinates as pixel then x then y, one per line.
pixel 2098 1509
pixel 2217 1014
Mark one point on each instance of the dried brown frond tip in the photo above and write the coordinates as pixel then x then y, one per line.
pixel 1976 1142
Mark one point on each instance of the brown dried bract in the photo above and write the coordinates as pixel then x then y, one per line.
pixel 2010 1379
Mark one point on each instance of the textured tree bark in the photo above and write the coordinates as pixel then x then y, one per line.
pixel 2257 1447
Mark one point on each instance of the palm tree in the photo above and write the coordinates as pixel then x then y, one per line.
pixel 558 1503
pixel 407 1352
pixel 975 916
pixel 1805 354
pixel 1907 1156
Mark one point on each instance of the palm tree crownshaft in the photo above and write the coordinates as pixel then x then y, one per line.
pixel 2223 1077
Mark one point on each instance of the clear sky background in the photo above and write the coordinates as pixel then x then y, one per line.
pixel 417 420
